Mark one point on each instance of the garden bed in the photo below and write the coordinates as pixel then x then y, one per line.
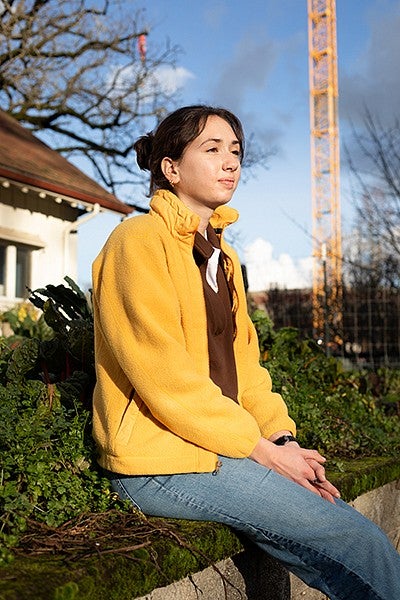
pixel 66 536
pixel 125 555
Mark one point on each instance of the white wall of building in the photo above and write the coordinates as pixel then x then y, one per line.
pixel 48 239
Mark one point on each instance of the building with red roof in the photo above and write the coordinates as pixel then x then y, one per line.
pixel 43 200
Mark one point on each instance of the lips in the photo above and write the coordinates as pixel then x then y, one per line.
pixel 227 182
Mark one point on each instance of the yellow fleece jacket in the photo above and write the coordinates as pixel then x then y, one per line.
pixel 156 410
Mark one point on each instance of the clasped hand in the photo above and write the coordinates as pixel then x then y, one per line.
pixel 300 465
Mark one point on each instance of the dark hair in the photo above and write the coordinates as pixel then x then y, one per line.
pixel 172 136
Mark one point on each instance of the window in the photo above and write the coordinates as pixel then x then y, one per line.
pixel 2 269
pixel 15 269
pixel 23 264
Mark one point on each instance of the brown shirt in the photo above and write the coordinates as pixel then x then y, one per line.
pixel 220 325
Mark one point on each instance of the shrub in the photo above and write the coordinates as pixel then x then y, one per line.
pixel 48 465
pixel 26 321
pixel 336 411
pixel 49 472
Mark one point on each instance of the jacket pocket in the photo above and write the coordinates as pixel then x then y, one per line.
pixel 128 419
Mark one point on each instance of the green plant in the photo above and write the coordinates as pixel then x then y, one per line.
pixel 48 469
pixel 26 322
pixel 265 331
pixel 69 356
pixel 336 410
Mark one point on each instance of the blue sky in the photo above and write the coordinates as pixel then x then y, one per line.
pixel 252 57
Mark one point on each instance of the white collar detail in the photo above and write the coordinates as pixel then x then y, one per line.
pixel 212 268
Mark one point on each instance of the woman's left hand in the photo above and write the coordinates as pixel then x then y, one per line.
pixel 301 465
pixel 324 487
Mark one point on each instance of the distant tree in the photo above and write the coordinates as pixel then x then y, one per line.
pixel 79 71
pixel 372 253
pixel 368 262
pixel 375 168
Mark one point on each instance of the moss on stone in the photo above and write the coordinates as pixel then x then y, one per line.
pixel 364 474
pixel 192 547
pixel 185 547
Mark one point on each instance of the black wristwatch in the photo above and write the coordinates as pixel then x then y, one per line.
pixel 284 439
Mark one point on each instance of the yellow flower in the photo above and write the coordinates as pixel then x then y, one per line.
pixel 26 310
pixel 22 313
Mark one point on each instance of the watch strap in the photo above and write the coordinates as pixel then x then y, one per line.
pixel 284 439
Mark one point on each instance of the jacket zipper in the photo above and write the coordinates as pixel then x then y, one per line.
pixel 217 467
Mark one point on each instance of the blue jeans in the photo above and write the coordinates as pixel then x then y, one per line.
pixel 331 547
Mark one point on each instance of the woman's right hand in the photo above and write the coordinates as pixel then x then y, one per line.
pixel 301 465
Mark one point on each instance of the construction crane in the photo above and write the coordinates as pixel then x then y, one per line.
pixel 325 174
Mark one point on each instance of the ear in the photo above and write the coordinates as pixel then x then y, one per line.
pixel 170 171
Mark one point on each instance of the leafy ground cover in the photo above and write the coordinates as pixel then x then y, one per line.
pixel 53 497
pixel 345 414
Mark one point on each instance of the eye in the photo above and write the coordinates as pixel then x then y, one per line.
pixel 213 149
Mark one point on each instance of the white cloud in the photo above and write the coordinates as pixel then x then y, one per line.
pixel 264 271
pixel 165 78
pixel 171 79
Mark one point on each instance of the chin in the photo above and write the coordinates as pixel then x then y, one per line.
pixel 217 203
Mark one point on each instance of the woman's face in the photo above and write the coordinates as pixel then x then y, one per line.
pixel 208 172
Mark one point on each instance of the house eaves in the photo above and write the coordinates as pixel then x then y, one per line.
pixel 27 161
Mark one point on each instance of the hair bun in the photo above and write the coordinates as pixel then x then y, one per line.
pixel 144 147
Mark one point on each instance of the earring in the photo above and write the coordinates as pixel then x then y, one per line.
pixel 171 183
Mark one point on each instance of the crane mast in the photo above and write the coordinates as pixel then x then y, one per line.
pixel 325 169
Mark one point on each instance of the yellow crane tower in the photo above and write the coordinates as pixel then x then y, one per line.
pixel 327 250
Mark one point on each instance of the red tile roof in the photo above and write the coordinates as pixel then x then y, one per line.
pixel 26 159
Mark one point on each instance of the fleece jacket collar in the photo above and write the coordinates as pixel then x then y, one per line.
pixel 183 222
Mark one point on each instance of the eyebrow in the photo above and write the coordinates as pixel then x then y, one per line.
pixel 219 141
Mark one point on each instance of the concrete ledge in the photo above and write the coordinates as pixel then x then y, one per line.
pixel 251 575
pixel 382 506
pixel 182 549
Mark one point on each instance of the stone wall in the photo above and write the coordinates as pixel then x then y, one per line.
pixel 252 576
pixel 382 506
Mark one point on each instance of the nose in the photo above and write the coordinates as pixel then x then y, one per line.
pixel 231 162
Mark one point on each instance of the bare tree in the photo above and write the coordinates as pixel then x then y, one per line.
pixel 368 262
pixel 374 165
pixel 79 71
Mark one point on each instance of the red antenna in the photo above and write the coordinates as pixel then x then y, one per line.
pixel 142 48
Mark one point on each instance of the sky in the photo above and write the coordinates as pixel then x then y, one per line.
pixel 252 57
